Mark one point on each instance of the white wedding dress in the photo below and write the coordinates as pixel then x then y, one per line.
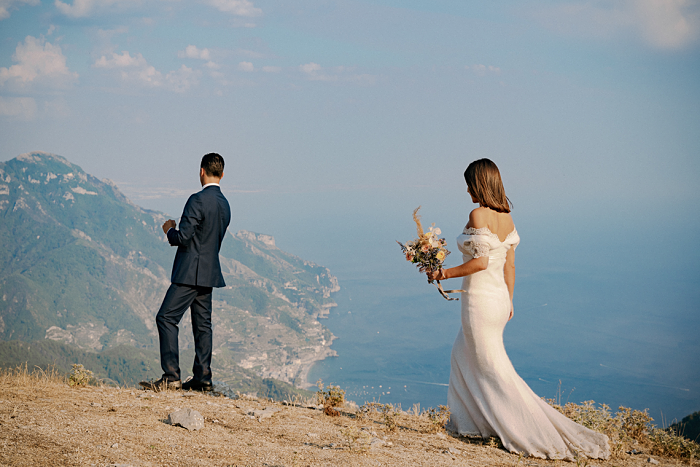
pixel 486 396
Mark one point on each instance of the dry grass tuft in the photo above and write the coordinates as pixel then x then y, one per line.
pixel 37 377
pixel 630 429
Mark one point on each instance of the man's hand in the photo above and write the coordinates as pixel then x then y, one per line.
pixel 169 224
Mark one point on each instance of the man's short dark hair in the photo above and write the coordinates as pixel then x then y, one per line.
pixel 213 164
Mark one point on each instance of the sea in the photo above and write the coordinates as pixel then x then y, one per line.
pixel 607 306
pixel 607 313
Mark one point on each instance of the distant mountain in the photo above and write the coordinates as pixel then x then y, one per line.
pixel 83 265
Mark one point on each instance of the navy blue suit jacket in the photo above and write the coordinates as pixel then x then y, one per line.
pixel 202 228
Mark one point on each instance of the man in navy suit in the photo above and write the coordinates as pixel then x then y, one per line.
pixel 196 271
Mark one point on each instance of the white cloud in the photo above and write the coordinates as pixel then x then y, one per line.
pixel 20 108
pixel 132 68
pixel 79 8
pixel 182 79
pixel 236 7
pixel 482 70
pixel 38 61
pixel 316 72
pixel 137 69
pixel 212 66
pixel 663 24
pixel 84 8
pixel 7 5
pixel 192 51
pixel 125 60
pixel 668 24
pixel 246 66
pixel 310 68
pixel 271 69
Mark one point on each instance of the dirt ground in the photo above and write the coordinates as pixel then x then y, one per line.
pixel 50 423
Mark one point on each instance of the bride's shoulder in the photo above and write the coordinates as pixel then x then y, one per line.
pixel 478 218
pixel 507 220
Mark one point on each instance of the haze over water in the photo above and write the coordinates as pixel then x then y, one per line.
pixel 596 309
pixel 601 303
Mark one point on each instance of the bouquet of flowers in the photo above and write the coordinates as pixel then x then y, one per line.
pixel 427 252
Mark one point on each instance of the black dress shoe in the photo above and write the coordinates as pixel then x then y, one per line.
pixel 161 385
pixel 192 384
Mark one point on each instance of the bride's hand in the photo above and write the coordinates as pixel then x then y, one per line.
pixel 435 275
pixel 511 311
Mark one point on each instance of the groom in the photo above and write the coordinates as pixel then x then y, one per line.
pixel 196 271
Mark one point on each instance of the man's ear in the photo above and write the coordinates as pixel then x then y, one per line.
pixel 201 171
pixel 222 175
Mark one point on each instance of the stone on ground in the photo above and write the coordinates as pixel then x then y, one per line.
pixel 186 418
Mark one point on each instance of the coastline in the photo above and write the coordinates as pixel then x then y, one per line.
pixel 305 369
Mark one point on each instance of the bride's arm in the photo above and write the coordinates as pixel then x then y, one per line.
pixel 509 276
pixel 476 220
pixel 464 269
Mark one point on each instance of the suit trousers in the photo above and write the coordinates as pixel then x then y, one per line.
pixel 177 300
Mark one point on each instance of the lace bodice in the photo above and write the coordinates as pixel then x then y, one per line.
pixel 482 242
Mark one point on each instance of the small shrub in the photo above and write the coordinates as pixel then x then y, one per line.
pixel 79 375
pixel 389 414
pixel 630 427
pixel 367 409
pixel 668 443
pixel 331 397
pixel 634 423
pixel 586 414
pixel 581 461
pixel 438 417
pixel 357 440
pixel 494 442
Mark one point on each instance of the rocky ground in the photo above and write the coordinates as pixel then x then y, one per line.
pixel 44 421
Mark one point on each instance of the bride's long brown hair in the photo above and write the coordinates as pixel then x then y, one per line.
pixel 485 184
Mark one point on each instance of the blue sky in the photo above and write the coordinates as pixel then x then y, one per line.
pixel 589 107
pixel 598 98
pixel 338 118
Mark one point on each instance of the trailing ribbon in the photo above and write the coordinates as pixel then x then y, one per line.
pixel 445 292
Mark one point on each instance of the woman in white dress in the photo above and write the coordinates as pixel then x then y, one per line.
pixel 486 396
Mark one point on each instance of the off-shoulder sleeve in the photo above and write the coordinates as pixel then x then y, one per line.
pixel 512 240
pixel 474 242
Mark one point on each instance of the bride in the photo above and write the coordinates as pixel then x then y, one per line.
pixel 486 395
